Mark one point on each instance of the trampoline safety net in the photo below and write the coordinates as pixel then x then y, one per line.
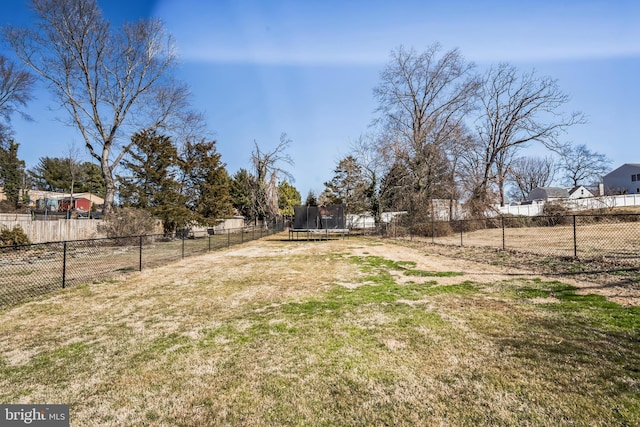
pixel 330 217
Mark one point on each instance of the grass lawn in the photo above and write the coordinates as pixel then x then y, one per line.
pixel 341 332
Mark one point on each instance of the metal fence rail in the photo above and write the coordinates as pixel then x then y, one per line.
pixel 28 271
pixel 580 236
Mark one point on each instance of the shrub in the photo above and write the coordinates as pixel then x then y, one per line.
pixel 127 222
pixel 470 225
pixel 517 221
pixel 554 214
pixel 15 236
pixel 432 229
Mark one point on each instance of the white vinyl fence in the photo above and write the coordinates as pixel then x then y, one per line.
pixel 599 202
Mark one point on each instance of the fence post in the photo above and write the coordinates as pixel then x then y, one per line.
pixel 575 239
pixel 140 260
pixel 183 245
pixel 64 265
pixel 209 249
pixel 228 238
pixel 461 244
pixel 504 246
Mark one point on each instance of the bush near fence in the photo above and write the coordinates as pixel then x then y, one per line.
pixel 28 271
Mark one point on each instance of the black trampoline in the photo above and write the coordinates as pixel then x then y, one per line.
pixel 318 222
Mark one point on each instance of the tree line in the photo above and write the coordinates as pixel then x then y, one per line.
pixel 115 82
pixel 442 130
pixel 180 186
pixel 445 131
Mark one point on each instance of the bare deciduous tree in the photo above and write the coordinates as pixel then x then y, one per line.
pixel 582 166
pixel 112 83
pixel 15 93
pixel 365 151
pixel 423 97
pixel 267 173
pixel 527 173
pixel 516 110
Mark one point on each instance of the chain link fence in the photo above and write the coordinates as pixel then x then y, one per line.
pixel 578 236
pixel 28 271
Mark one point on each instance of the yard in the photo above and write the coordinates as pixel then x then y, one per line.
pixel 341 332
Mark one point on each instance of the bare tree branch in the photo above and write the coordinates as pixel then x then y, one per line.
pixel 111 82
pixel 268 171
pixel 527 173
pixel 582 166
pixel 423 98
pixel 516 110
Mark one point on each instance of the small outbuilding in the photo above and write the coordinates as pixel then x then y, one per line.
pixel 580 192
pixel 557 193
pixel 548 193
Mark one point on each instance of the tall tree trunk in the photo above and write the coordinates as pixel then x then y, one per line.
pixel 110 186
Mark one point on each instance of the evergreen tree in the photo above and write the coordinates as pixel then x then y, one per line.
pixel 51 174
pixel 152 183
pixel 243 187
pixel 206 183
pixel 288 197
pixel 348 186
pixel 311 199
pixel 12 173
pixel 91 180
pixel 55 174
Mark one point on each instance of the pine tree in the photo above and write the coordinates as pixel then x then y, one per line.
pixel 348 186
pixel 243 186
pixel 12 174
pixel 206 183
pixel 152 184
pixel 288 197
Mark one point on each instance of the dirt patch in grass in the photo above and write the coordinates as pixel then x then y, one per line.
pixel 613 278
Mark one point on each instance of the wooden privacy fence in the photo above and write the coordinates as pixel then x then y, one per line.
pixel 52 231
pixel 59 230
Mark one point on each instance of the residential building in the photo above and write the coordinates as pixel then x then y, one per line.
pixel 557 193
pixel 623 180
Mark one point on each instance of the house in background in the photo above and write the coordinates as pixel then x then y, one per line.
pixel 549 194
pixel 53 201
pixel 580 192
pixel 624 180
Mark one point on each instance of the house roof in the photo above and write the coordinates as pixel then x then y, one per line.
pixel 633 165
pixel 578 187
pixel 554 192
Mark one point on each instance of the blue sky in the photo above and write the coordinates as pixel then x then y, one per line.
pixel 308 68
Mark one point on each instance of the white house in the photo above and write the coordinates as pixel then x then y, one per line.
pixel 580 192
pixel 624 180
